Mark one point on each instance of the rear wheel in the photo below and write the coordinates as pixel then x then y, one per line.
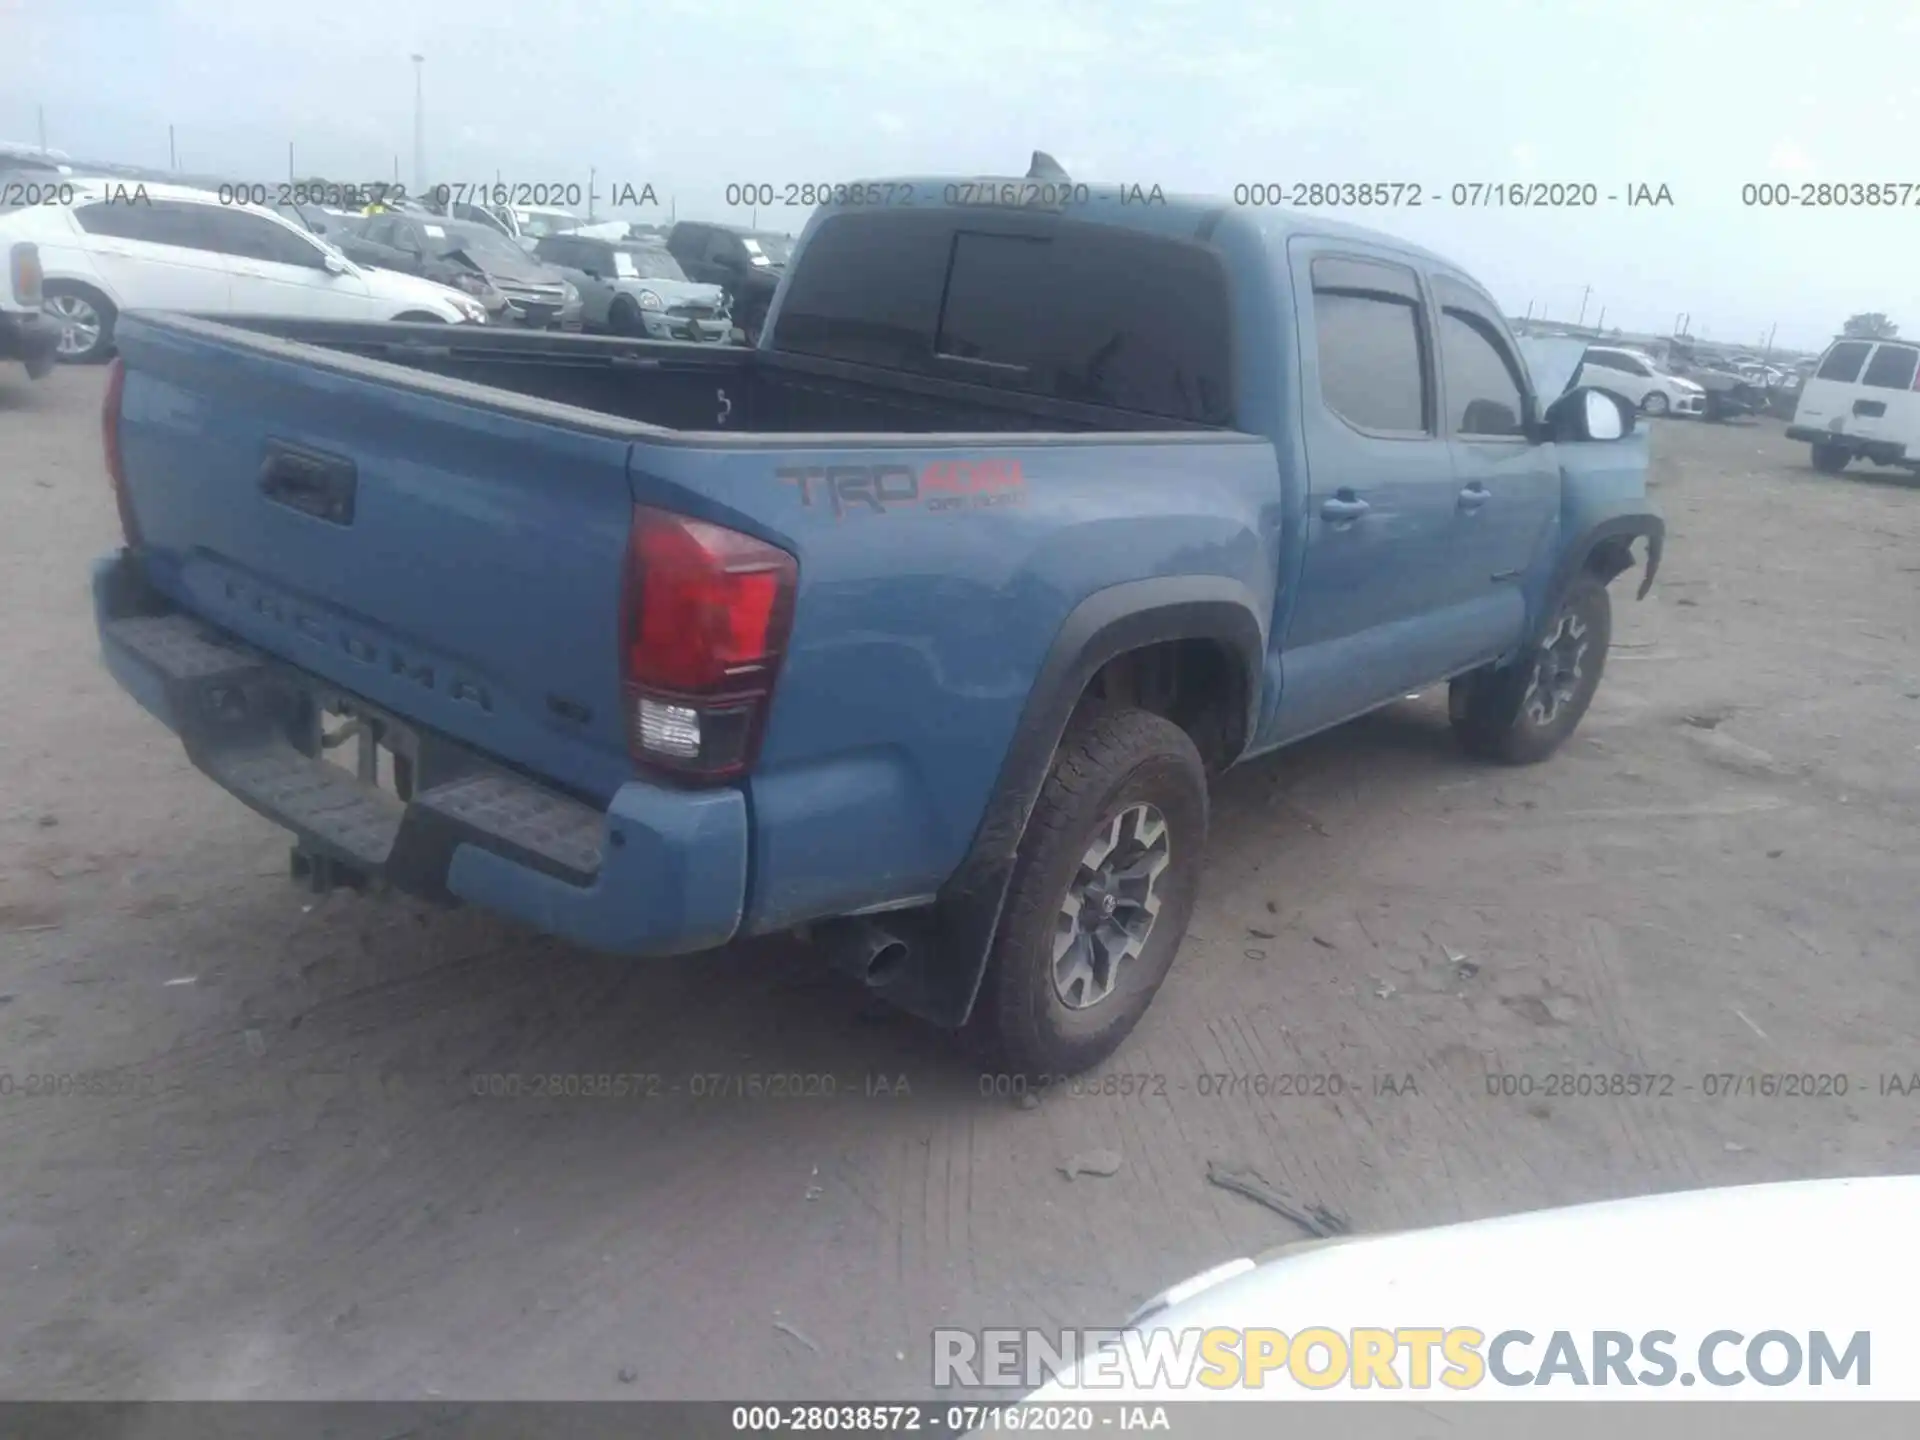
pixel 84 318
pixel 1830 459
pixel 1103 887
pixel 1655 403
pixel 1522 713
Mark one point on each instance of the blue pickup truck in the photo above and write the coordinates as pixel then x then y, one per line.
pixel 917 628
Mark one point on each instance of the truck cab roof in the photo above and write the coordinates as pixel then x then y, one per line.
pixel 1145 208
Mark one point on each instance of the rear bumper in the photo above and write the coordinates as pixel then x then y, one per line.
pixel 30 339
pixel 658 872
pixel 1881 452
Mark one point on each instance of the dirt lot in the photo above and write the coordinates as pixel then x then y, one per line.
pixel 293 1190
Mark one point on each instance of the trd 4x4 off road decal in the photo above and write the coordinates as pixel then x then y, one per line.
pixel 886 489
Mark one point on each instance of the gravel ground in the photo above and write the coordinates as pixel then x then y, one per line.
pixel 278 1179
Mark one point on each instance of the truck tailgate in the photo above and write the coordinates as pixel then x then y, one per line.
pixel 457 564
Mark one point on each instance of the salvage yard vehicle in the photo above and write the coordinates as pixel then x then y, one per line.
pixel 747 264
pixel 637 289
pixel 174 248
pixel 25 334
pixel 1636 379
pixel 917 628
pixel 481 261
pixel 1863 403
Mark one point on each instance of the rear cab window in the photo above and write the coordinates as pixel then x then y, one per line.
pixel 1844 361
pixel 1091 314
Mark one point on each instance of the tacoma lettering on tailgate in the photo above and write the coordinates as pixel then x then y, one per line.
pixel 379 654
pixel 884 489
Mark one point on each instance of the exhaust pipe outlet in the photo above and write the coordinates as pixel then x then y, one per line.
pixel 866 952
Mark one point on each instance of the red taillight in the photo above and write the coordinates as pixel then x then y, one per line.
pixel 706 612
pixel 110 439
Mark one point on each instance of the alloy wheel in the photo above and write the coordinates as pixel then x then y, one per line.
pixel 1110 906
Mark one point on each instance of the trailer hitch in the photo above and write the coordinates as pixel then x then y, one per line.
pixel 323 873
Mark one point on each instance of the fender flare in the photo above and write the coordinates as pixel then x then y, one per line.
pixel 954 936
pixel 1616 535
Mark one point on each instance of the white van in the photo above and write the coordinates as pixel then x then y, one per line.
pixel 1863 401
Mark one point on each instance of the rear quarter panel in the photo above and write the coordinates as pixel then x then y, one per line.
pixel 923 619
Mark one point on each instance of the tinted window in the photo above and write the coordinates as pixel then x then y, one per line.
pixel 1371 344
pixel 724 246
pixel 129 222
pixel 1843 361
pixel 1891 368
pixel 1101 316
pixel 1602 359
pixel 868 292
pixel 250 237
pixel 1483 395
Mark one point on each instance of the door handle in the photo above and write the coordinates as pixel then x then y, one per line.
pixel 310 481
pixel 1474 496
pixel 1343 507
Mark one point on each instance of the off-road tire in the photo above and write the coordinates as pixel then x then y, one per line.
pixel 1490 709
pixel 1111 758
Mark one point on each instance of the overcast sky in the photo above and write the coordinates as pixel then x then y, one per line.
pixel 1193 95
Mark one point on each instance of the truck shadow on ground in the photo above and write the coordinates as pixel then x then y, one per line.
pixel 491 1002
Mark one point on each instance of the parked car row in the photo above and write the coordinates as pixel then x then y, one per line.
pixel 176 248
pixel 1679 386
pixel 106 245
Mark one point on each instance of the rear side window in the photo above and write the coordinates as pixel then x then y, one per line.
pixel 124 221
pixel 1372 343
pixel 1103 317
pixel 1843 361
pixel 1891 368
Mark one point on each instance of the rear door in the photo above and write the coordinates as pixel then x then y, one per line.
pixel 1509 493
pixel 274 271
pixel 1367 621
pixel 152 256
pixel 1887 407
pixel 1827 400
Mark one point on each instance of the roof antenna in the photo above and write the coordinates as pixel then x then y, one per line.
pixel 1045 167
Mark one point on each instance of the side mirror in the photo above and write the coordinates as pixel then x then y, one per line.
pixel 335 265
pixel 1588 414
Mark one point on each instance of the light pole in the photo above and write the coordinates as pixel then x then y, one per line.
pixel 419 128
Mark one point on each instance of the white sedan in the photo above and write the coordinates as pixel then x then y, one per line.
pixel 125 246
pixel 1641 383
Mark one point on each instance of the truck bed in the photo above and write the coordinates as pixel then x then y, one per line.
pixel 675 386
pixel 435 523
